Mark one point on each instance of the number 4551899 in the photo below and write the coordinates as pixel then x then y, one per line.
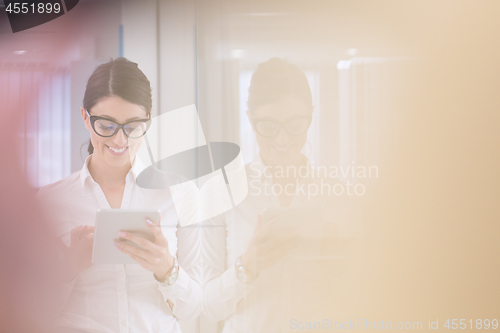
pixel 478 324
pixel 40 8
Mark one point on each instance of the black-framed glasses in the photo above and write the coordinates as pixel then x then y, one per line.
pixel 269 127
pixel 106 127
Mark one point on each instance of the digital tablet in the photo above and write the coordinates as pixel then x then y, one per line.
pixel 108 224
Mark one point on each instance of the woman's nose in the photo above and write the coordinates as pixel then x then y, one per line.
pixel 120 139
pixel 282 137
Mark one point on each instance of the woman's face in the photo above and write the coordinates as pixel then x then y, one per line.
pixel 282 148
pixel 117 150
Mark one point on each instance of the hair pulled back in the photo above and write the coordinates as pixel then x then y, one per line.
pixel 275 79
pixel 119 77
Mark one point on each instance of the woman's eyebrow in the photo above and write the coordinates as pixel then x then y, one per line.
pixel 134 118
pixel 116 121
pixel 284 121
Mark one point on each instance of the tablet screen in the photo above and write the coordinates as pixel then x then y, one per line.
pixel 108 224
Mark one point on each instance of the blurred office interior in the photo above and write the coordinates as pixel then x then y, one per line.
pixel 408 86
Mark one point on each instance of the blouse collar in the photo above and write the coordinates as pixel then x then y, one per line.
pixel 136 169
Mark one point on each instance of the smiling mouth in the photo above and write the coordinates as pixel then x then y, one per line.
pixel 118 150
pixel 282 149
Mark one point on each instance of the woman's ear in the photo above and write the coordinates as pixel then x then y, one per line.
pixel 85 118
pixel 250 116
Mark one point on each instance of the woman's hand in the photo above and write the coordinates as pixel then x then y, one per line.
pixel 78 256
pixel 267 246
pixel 155 256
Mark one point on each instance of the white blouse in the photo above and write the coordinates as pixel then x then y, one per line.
pixel 297 286
pixel 124 298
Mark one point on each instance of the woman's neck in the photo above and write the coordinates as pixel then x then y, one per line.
pixel 106 176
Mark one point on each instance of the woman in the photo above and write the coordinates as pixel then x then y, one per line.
pixel 259 282
pixel 119 298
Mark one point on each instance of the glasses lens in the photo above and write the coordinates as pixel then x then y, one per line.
pixel 297 126
pixel 105 127
pixel 267 128
pixel 136 129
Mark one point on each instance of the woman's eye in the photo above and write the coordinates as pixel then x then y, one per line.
pixel 297 126
pixel 131 127
pixel 268 125
pixel 108 128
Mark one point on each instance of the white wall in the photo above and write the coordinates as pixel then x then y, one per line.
pixel 160 36
pixel 140 40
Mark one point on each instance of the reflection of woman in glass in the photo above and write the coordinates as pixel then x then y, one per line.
pixel 248 281
pixel 150 296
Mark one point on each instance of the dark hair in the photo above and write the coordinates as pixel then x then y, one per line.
pixel 275 79
pixel 119 77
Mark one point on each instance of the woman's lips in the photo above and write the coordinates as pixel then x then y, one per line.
pixel 117 151
pixel 282 149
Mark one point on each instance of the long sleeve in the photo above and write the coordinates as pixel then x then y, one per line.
pixel 186 292
pixel 222 290
pixel 185 295
pixel 50 209
pixel 222 295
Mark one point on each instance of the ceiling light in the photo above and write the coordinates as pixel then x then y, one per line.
pixel 352 52
pixel 238 53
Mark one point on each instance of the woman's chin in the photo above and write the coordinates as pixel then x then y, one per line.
pixel 118 161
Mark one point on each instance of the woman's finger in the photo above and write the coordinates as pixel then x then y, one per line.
pixel 275 229
pixel 141 241
pixel 156 249
pixel 264 227
pixel 278 252
pixel 156 229
pixel 271 228
pixel 144 254
pixel 277 235
pixel 144 263
pixel 259 222
pixel 280 244
pixel 75 234
pixel 273 257
pixel 60 244
pixel 90 240
pixel 84 230
pixel 80 233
